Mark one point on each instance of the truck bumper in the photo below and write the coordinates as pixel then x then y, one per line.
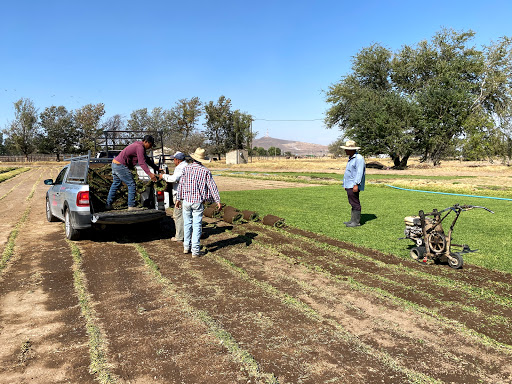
pixel 127 217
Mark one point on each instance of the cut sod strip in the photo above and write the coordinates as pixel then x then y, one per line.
pixel 9 175
pixel 239 354
pixel 97 344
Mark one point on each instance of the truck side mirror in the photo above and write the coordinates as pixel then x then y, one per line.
pixel 48 182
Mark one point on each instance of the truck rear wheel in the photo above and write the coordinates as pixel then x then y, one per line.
pixel 71 232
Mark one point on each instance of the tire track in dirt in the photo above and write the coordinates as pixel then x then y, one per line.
pixel 293 345
pixel 407 336
pixel 484 316
pixel 150 337
pixel 42 335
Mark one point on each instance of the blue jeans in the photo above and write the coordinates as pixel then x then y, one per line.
pixel 192 223
pixel 121 173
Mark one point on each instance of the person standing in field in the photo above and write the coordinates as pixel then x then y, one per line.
pixel 353 181
pixel 132 155
pixel 195 188
pixel 177 213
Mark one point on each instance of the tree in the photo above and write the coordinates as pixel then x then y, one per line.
pixel 335 147
pixel 59 132
pixel 369 110
pixel 115 138
pixel 87 120
pixel 240 136
pixel 218 122
pixel 260 151
pixel 23 130
pixel 423 98
pixel 182 120
pixel 139 120
pixel 274 151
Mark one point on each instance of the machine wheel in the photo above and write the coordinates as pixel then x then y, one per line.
pixel 455 261
pixel 49 215
pixel 418 253
pixel 71 232
pixel 437 242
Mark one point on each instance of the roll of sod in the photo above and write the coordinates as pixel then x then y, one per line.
pixel 274 221
pixel 233 217
pixel 250 215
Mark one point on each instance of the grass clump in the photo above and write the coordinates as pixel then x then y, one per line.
pixel 10 172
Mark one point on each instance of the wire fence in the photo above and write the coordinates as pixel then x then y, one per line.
pixel 32 158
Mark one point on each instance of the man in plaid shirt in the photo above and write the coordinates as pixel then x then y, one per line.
pixel 196 186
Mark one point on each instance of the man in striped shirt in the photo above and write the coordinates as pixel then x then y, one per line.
pixel 195 188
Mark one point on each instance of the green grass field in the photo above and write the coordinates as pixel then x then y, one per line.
pixel 323 210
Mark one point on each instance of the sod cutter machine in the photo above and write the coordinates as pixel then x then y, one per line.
pixel 432 244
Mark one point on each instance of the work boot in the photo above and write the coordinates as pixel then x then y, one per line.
pixel 351 217
pixel 356 219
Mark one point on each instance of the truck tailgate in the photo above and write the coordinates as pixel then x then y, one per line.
pixel 127 217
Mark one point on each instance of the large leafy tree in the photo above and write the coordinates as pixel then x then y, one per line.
pixel 87 120
pixel 424 98
pixel 182 122
pixel 59 134
pixel 218 122
pixel 140 120
pixel 21 133
pixel 226 130
pixel 240 136
pixel 368 108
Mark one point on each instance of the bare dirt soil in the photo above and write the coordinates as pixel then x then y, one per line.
pixel 263 305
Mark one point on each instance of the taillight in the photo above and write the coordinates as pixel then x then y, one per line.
pixel 82 199
pixel 160 196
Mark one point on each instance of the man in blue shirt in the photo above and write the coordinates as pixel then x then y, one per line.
pixel 353 181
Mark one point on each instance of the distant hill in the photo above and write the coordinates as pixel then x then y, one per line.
pixel 295 147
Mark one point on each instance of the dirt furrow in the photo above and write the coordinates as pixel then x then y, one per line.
pixel 405 335
pixel 150 338
pixel 499 282
pixel 42 335
pixel 484 316
pixel 293 345
pixel 14 204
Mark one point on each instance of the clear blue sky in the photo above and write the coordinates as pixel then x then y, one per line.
pixel 273 59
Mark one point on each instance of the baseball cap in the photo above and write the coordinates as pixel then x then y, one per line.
pixel 178 155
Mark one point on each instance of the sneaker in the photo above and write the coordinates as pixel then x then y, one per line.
pixel 175 239
pixel 134 208
pixel 186 250
pixel 199 254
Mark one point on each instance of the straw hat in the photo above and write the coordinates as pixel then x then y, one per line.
pixel 198 155
pixel 350 144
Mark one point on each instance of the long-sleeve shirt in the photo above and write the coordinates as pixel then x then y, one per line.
pixel 175 178
pixel 134 154
pixel 197 185
pixel 355 172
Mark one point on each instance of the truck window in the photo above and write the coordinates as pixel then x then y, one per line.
pixel 60 177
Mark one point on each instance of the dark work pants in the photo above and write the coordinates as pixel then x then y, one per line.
pixel 353 199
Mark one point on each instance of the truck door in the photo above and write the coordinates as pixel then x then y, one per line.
pixel 56 194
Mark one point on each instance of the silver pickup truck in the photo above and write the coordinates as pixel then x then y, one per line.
pixel 70 199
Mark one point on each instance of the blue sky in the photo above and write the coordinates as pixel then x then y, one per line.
pixel 273 59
